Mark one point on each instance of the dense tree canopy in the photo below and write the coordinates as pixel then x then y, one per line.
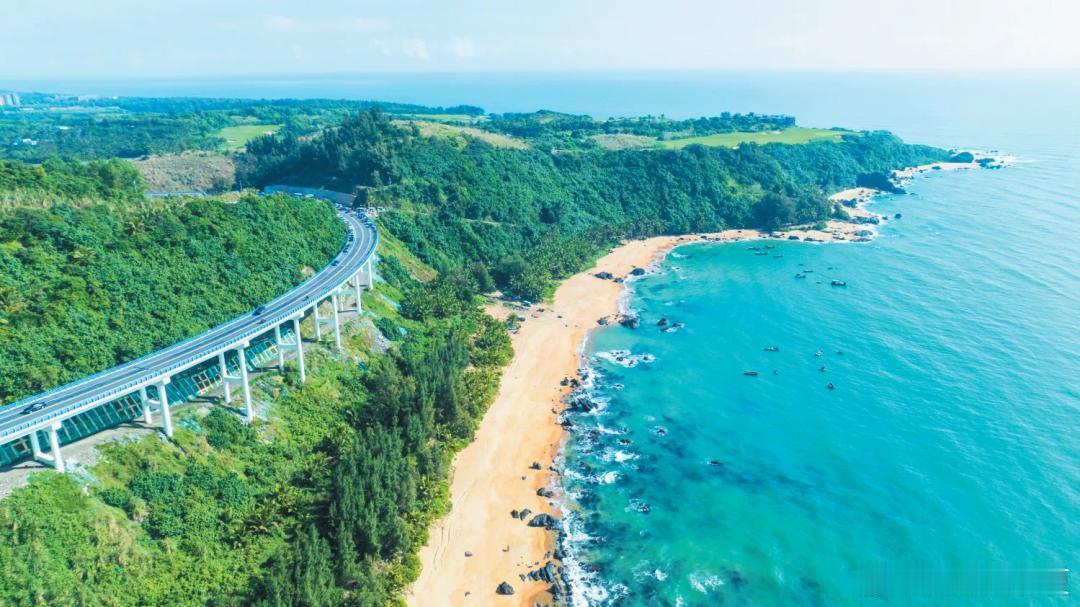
pixel 480 203
pixel 84 289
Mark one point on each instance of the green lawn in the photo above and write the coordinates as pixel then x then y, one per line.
pixel 795 134
pixel 237 136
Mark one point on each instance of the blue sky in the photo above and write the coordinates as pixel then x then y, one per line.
pixel 129 38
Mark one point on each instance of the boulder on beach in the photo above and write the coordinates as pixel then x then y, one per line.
pixel 504 589
pixel 602 321
pixel 524 514
pixel 637 272
pixel 963 157
pixel 604 275
pixel 545 492
pixel 544 520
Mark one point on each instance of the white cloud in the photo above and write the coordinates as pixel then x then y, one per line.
pixel 415 48
pixel 463 47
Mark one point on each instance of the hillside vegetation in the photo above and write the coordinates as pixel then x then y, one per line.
pixel 524 217
pixel 85 288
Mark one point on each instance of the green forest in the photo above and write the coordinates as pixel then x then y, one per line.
pixel 324 500
pixel 526 217
pixel 84 288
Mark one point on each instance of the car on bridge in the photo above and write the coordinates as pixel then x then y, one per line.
pixel 35 407
pixel 259 310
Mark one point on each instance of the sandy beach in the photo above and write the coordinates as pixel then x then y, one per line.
pixel 494 474
pixel 479 545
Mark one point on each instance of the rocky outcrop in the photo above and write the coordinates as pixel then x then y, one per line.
pixel 504 589
pixel 544 520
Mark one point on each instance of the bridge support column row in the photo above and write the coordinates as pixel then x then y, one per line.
pixel 54 458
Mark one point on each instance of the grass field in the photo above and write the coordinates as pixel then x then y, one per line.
pixel 438 129
pixel 237 136
pixel 795 134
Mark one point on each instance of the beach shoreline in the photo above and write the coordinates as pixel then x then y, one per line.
pixel 479 544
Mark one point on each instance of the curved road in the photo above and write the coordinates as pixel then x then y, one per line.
pixel 88 392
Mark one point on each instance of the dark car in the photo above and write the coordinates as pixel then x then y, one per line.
pixel 35 407
pixel 336 262
pixel 259 310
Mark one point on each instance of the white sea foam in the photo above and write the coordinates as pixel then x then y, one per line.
pixel 704 582
pixel 617 456
pixel 624 358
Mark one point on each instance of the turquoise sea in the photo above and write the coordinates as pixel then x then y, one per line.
pixel 943 469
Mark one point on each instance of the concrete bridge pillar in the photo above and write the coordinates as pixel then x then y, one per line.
pixel 248 414
pixel 54 458
pixel 35 446
pixel 223 369
pixel 278 347
pixel 337 325
pixel 299 348
pixel 318 321
pixel 166 412
pixel 148 417
pixel 370 276
pixel 54 448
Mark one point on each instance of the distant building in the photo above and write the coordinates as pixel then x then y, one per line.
pixel 10 99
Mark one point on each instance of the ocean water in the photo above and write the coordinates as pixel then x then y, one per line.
pixel 943 469
pixel 944 466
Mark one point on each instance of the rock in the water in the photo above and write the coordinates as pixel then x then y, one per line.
pixel 504 589
pixel 543 520
pixel 661 322
pixel 630 321
pixel 545 492
pixel 619 280
pixel 637 272
pixel 602 321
